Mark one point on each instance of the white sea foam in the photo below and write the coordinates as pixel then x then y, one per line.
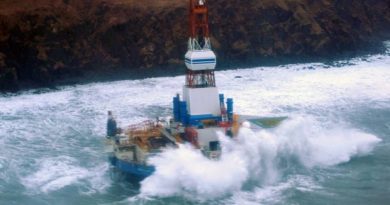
pixel 272 194
pixel 321 145
pixel 56 173
pixel 30 121
pixel 267 90
pixel 187 171
pixel 253 157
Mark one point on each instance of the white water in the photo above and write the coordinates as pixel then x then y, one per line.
pixel 51 142
pixel 311 139
pixel 56 173
pixel 253 156
pixel 256 156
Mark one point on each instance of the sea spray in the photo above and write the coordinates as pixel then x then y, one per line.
pixel 186 171
pixel 253 156
pixel 320 144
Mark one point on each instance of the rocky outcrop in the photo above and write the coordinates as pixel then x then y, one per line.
pixel 45 41
pixel 8 76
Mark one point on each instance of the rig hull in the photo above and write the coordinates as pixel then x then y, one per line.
pixel 134 170
pixel 128 156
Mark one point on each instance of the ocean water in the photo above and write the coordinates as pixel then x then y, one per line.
pixel 334 148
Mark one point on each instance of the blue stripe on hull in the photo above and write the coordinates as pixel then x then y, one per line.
pixel 200 61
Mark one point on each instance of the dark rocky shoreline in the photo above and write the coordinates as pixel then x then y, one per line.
pixel 50 43
pixel 90 76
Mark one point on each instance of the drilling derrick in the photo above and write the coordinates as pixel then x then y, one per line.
pixel 200 59
pixel 200 92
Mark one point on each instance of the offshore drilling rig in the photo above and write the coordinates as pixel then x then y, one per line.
pixel 198 114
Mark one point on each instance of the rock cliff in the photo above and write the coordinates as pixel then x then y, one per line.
pixel 45 41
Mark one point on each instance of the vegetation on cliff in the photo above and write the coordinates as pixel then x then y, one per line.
pixel 44 41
